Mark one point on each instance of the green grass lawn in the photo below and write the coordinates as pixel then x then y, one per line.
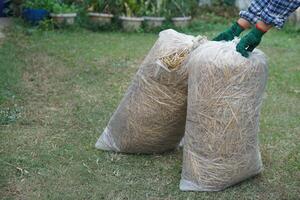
pixel 59 88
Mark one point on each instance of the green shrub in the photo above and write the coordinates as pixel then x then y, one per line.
pixel 63 8
pixel 132 8
pixel 210 13
pixel 56 6
pixel 180 8
pixel 157 8
pixel 39 4
pixel 103 6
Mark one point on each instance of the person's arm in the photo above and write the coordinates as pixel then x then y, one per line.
pixel 274 14
pixel 247 18
pixel 244 23
pixel 263 26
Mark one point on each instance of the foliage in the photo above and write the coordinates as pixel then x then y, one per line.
pixel 63 8
pixel 157 8
pixel 55 6
pixel 46 25
pixel 104 6
pixel 38 4
pixel 223 12
pixel 76 2
pixel 131 8
pixel 180 8
pixel 223 2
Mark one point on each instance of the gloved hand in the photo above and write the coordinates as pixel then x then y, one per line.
pixel 234 31
pixel 249 42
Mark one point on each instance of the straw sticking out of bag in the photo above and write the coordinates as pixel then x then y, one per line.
pixel 175 60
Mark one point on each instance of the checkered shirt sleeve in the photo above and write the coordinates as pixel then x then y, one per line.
pixel 274 12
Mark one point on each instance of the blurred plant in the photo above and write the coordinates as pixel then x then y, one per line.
pixel 46 25
pixel 221 11
pixel 75 2
pixel 58 7
pixel 180 8
pixel 104 6
pixel 132 8
pixel 157 8
pixel 39 4
pixel 223 2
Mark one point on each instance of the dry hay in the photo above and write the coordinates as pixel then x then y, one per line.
pixel 176 59
pixel 151 116
pixel 224 97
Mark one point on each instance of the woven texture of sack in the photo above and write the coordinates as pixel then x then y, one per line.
pixel 224 98
pixel 151 116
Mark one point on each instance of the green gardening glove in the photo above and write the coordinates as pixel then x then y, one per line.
pixel 249 42
pixel 228 35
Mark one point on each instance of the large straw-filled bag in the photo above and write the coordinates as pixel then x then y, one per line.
pixel 151 115
pixel 224 99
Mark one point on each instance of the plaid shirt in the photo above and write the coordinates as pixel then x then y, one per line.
pixel 273 12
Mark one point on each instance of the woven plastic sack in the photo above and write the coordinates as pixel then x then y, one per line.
pixel 224 99
pixel 151 115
